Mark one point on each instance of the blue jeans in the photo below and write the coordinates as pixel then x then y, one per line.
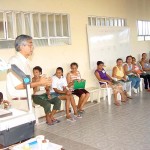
pixel 135 81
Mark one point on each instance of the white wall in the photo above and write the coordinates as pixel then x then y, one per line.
pixel 51 57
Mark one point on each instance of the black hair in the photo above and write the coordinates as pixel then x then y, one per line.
pixel 38 68
pixel 128 57
pixel 1 97
pixel 60 68
pixel 133 58
pixel 74 64
pixel 99 63
pixel 143 54
pixel 119 59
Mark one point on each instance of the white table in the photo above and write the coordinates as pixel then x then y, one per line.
pixel 18 117
pixel 51 146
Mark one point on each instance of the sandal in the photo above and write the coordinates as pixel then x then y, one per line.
pixel 56 121
pixel 123 101
pixel 129 97
pixel 50 124
pixel 78 116
pixel 117 103
pixel 81 111
pixel 70 119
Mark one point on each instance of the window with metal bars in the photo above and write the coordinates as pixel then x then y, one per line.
pixel 143 30
pixel 106 21
pixel 46 28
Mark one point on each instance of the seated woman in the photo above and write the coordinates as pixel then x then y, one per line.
pixel 142 74
pixel 132 75
pixel 83 95
pixel 119 73
pixel 41 96
pixel 59 88
pixel 102 76
pixel 145 63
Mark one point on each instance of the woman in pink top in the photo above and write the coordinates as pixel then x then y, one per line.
pixel 83 95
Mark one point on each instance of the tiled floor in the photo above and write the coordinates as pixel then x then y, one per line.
pixel 105 127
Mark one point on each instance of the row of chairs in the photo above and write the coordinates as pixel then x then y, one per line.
pixel 96 93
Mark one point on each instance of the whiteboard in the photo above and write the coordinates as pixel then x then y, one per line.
pixel 107 44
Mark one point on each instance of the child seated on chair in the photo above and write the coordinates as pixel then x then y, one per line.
pixel 3 103
pixel 83 94
pixel 102 77
pixel 42 97
pixel 59 88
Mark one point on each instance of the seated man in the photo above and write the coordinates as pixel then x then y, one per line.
pixel 119 73
pixel 42 97
pixel 16 89
pixel 102 76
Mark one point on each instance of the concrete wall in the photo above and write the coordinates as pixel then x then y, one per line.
pixel 51 57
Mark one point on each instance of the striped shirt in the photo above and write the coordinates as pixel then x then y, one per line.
pixel 73 77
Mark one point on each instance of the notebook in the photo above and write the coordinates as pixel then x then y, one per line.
pixel 80 84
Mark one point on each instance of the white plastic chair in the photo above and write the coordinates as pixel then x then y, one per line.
pixel 107 92
pixel 129 92
pixel 140 89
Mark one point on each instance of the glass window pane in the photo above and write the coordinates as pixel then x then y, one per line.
pixel 144 27
pixel 36 24
pixel 94 21
pixel 140 26
pixel 148 28
pixel 115 22
pixel 9 25
pixel 1 25
pixel 44 25
pixel 89 20
pixel 65 25
pixel 102 21
pixel 58 25
pixel 27 24
pixel 111 22
pixel 98 22
pixel 123 22
pixel 51 25
pixel 107 22
pixel 147 38
pixel 119 22
pixel 19 24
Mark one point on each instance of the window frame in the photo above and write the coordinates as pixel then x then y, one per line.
pixel 4 26
pixel 144 29
pixel 107 21
pixel 27 26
